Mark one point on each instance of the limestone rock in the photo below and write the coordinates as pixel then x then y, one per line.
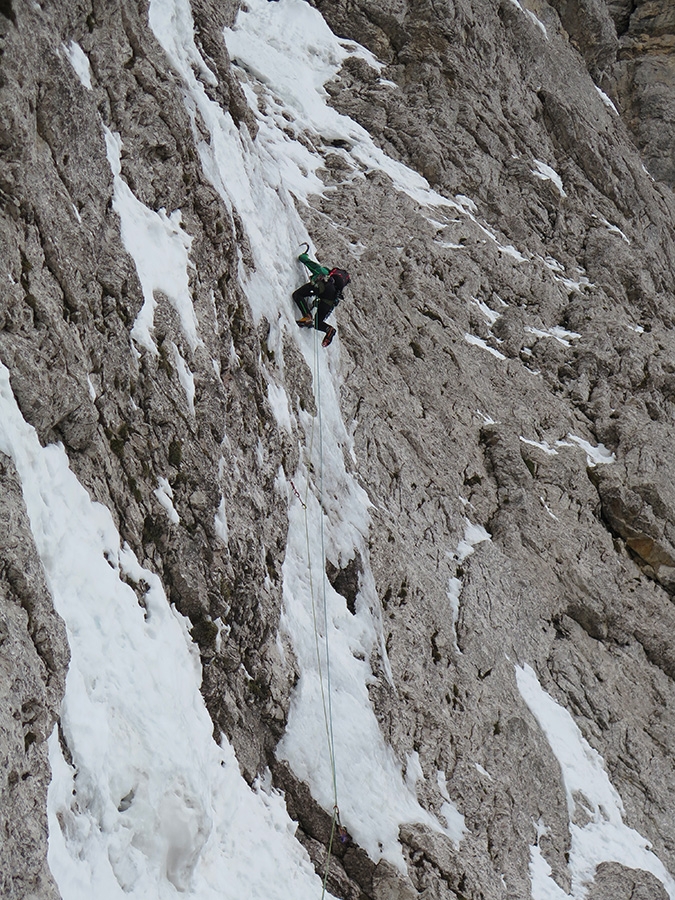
pixel 33 660
pixel 482 361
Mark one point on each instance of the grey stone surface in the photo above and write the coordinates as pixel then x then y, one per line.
pixel 630 50
pixel 579 575
pixel 33 659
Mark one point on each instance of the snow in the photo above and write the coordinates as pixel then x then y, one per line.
pixel 548 510
pixel 614 229
pixel 554 265
pixel 331 720
pixel 607 100
pixel 489 314
pixel 160 250
pixel 278 399
pixel 466 203
pixel 473 535
pixel 479 342
pixel 542 445
pixel 560 334
pixel 546 173
pixel 508 250
pixel 164 495
pixel 487 420
pixel 540 25
pixel 605 837
pixel 151 805
pixel 80 63
pixel 220 523
pixel 185 377
pixel 595 456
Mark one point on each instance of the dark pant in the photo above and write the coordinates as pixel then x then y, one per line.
pixel 324 309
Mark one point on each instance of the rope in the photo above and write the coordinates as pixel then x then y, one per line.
pixel 325 689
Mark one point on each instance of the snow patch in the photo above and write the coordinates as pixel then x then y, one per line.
pixel 546 173
pixel 489 314
pixel 561 335
pixel 80 63
pixel 164 494
pixel 220 523
pixel 607 101
pixel 605 837
pixel 479 342
pixel 160 250
pixel 542 445
pixel 595 456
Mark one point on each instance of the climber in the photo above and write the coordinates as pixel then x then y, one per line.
pixel 326 286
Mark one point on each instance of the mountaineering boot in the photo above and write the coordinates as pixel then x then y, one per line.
pixel 330 334
pixel 305 321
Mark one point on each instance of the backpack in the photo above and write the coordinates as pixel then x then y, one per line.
pixel 340 278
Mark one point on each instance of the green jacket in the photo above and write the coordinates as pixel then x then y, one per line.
pixel 314 267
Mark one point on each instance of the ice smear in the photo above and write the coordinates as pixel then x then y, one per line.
pixel 80 63
pixel 160 250
pixel 151 806
pixel 374 796
pixel 289 53
pixel 605 838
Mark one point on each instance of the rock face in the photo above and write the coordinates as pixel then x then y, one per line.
pixel 33 660
pixel 629 48
pixel 483 358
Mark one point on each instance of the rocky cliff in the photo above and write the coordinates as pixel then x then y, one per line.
pixel 504 369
